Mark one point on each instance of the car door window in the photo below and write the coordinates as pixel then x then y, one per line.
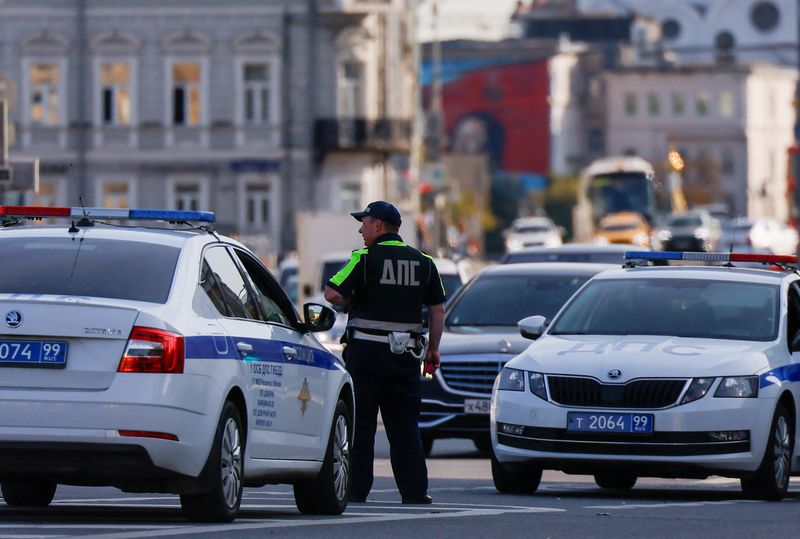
pixel 226 286
pixel 792 316
pixel 273 303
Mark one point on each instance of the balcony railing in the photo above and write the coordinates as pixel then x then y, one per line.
pixel 360 134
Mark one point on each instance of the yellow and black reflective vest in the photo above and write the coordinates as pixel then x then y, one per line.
pixel 389 283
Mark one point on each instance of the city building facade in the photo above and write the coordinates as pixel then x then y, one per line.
pixel 735 120
pixel 254 109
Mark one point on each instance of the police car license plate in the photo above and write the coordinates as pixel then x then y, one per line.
pixel 477 406
pixel 607 422
pixel 33 353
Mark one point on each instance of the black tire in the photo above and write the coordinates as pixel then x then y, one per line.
pixel 615 480
pixel 226 462
pixel 515 480
pixel 484 444
pixel 771 480
pixel 427 444
pixel 28 493
pixel 327 493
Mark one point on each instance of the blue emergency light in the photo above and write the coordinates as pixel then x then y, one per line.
pixel 40 212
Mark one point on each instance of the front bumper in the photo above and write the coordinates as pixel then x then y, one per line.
pixel 681 444
pixel 442 412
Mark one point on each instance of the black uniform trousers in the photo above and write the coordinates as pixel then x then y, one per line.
pixel 389 382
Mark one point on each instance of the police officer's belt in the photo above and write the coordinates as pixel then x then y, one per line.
pixel 376 338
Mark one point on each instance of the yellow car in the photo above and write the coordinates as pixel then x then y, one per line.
pixel 623 227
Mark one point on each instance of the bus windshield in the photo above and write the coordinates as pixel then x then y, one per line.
pixel 622 191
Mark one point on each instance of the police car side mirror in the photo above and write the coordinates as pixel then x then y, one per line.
pixel 318 317
pixel 532 327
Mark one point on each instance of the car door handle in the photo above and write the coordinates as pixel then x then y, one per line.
pixel 244 347
pixel 289 352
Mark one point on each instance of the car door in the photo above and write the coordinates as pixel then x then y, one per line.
pixel 301 399
pixel 259 352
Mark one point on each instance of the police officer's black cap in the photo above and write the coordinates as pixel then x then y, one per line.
pixel 380 210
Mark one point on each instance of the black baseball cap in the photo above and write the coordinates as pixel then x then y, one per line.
pixel 380 210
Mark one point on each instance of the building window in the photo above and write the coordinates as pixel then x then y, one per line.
pixel 596 141
pixel 45 80
pixel 186 104
pixel 630 104
pixel 258 207
pixel 187 197
pixel 350 197
pixel 258 91
pixel 725 45
pixel 115 94
pixel 351 90
pixel 670 29
pixel 678 105
pixel 701 103
pixel 653 105
pixel 51 192
pixel 728 162
pixel 765 16
pixel 115 194
pixel 727 105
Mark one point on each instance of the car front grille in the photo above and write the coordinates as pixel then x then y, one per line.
pixel 640 394
pixel 471 377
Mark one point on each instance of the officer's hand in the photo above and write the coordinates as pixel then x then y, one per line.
pixel 431 362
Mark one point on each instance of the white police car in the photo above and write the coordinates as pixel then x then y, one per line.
pixel 658 371
pixel 161 360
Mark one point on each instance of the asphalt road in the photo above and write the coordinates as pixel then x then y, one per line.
pixel 465 506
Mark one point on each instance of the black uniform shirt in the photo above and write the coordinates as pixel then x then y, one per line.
pixel 390 282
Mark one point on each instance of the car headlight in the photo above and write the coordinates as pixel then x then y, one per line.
pixel 513 244
pixel 738 387
pixel 697 389
pixel 536 384
pixel 511 380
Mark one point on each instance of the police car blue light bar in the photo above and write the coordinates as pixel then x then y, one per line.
pixel 710 257
pixel 40 212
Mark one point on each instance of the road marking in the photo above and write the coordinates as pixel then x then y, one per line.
pixel 668 504
pixel 82 526
pixel 235 527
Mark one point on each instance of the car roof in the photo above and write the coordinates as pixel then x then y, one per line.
pixel 716 273
pixel 161 236
pixel 548 268
pixel 581 248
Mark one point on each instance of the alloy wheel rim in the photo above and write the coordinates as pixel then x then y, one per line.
pixel 231 468
pixel 341 457
pixel 782 451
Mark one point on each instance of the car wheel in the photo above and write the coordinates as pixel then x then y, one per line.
pixel 771 480
pixel 484 445
pixel 615 480
pixel 221 503
pixel 28 493
pixel 427 444
pixel 327 493
pixel 515 481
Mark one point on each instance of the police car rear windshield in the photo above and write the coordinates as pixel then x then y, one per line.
pixel 503 300
pixel 87 267
pixel 676 307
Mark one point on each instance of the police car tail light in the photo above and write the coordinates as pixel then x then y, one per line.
pixel 153 350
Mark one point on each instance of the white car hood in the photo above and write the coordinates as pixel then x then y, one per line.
pixel 643 357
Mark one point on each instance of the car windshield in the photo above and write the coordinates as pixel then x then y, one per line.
pixel 597 257
pixel 504 300
pixel 624 226
pixel 677 307
pixel 88 267
pixel 685 221
pixel 524 229
pixel 451 284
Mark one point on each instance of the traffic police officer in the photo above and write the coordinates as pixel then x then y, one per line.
pixel 385 286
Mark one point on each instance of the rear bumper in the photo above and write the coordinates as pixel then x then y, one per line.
pixel 185 406
pixel 128 467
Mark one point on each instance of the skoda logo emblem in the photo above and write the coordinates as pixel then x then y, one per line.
pixel 13 319
pixel 614 374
